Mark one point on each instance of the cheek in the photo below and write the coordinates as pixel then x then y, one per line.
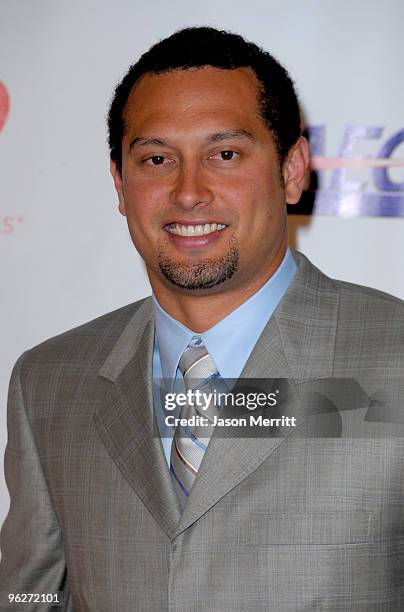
pixel 269 193
pixel 262 215
pixel 260 183
pixel 143 202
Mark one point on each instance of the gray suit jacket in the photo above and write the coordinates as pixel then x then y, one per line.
pixel 283 522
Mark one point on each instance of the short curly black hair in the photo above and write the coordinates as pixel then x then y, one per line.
pixel 206 46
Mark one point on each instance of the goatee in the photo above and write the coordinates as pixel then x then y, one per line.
pixel 203 274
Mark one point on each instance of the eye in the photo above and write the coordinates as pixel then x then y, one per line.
pixel 226 155
pixel 156 160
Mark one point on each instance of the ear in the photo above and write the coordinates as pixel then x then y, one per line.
pixel 295 169
pixel 117 176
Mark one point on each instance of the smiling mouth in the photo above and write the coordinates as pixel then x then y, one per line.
pixel 194 230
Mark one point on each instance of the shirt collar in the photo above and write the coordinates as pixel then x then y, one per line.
pixel 172 337
pixel 232 339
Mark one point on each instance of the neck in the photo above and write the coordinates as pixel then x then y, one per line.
pixel 199 311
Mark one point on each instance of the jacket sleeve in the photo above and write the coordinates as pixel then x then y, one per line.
pixel 31 540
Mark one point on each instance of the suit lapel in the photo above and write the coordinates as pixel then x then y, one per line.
pixel 125 420
pixel 297 343
pixel 307 319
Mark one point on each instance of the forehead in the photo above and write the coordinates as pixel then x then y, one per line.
pixel 192 99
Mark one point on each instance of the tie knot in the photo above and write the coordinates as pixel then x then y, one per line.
pixel 196 362
pixel 195 341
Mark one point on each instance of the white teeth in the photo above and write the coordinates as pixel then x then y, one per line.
pixel 194 230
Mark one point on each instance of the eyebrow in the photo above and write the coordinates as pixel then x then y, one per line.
pixel 229 135
pixel 216 137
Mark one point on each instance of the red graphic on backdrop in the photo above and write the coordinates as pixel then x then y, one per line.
pixel 4 104
pixel 8 224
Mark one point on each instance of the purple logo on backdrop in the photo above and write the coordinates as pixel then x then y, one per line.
pixel 378 194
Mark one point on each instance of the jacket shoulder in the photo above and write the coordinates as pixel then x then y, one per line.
pixel 90 341
pixel 314 286
pixel 362 327
pixel 370 332
pixel 369 293
pixel 369 302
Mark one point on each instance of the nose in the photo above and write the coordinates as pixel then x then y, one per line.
pixel 190 189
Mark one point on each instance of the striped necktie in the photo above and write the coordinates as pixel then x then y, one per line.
pixel 190 443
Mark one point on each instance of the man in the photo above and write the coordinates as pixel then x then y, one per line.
pixel 206 150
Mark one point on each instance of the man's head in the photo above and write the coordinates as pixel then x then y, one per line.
pixel 205 151
pixel 203 46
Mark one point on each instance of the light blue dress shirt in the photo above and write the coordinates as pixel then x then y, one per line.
pixel 229 342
